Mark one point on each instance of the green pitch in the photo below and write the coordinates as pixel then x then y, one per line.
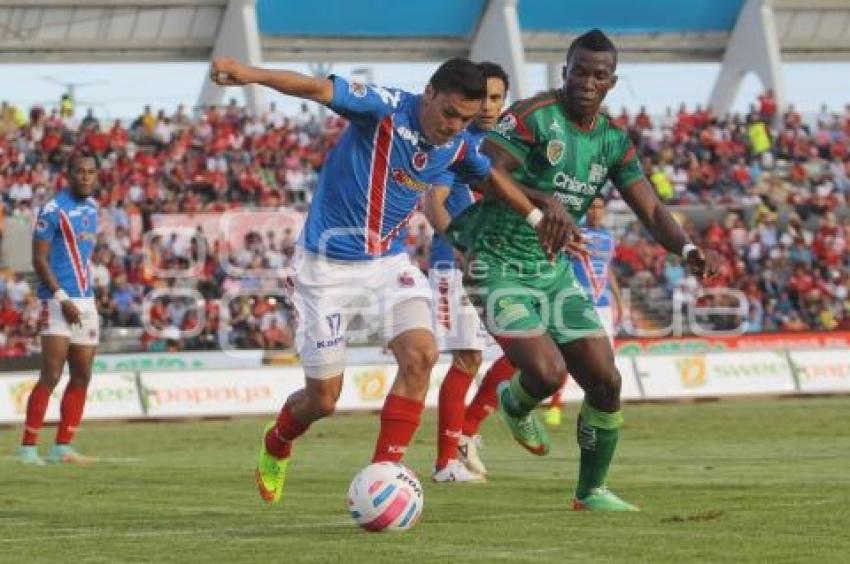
pixel 738 481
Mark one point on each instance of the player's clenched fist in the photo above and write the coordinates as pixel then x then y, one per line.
pixel 227 71
pixel 702 263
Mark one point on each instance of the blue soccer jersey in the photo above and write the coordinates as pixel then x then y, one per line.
pixel 593 271
pixel 459 198
pixel 71 227
pixel 373 179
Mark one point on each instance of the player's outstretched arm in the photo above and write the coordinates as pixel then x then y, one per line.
pixel 227 71
pixel 434 208
pixel 643 200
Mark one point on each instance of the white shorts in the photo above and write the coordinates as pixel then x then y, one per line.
pixel 457 325
pixel 54 323
pixel 387 295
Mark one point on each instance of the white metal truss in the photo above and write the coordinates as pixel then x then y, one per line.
pixel 84 31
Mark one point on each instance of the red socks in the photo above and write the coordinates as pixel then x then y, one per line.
pixel 36 408
pixel 484 401
pixel 279 438
pixel 71 413
pixel 452 402
pixel 399 421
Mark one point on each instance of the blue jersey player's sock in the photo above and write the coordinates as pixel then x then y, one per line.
pixel 484 402
pixel 399 421
pixel 597 434
pixel 36 408
pixel 71 413
pixel 279 438
pixel 451 413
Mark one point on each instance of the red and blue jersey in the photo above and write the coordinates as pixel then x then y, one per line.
pixel 593 271
pixel 459 198
pixel 375 176
pixel 70 225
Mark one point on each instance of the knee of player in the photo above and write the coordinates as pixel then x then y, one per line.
pixel 468 361
pixel 50 378
pixel 323 405
pixel 419 359
pixel 547 369
pixel 610 385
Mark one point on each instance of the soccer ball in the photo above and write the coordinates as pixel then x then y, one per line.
pixel 385 496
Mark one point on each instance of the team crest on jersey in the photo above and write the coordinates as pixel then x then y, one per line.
pixel 420 160
pixel 401 177
pixel 357 89
pixel 506 124
pixel 85 222
pixel 555 150
pixel 40 225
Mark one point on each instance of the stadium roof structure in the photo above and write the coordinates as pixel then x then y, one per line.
pixel 746 35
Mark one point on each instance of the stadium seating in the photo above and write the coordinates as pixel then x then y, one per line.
pixel 783 183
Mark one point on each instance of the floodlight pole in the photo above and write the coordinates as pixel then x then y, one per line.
pixel 238 37
pixel 753 47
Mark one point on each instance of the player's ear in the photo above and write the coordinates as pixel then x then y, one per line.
pixel 429 92
pixel 614 78
pixel 564 73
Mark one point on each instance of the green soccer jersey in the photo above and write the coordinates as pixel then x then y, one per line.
pixel 558 158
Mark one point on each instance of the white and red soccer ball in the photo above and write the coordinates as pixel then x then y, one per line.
pixel 385 496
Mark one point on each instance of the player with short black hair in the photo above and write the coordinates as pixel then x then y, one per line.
pixel 560 144
pixel 63 241
pixel 456 323
pixel 396 148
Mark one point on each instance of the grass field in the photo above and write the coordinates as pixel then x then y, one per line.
pixel 737 481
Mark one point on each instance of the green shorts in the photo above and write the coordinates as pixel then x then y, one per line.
pixel 517 304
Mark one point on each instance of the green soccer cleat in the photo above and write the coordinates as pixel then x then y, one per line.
pixel 271 472
pixel 527 430
pixel 65 454
pixel 28 454
pixel 602 499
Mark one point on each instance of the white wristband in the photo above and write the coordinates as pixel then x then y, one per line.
pixel 534 217
pixel 60 295
pixel 687 248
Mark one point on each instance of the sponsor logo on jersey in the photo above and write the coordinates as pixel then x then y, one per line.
pixel 566 182
pixel 357 89
pixel 555 150
pixel 506 124
pixel 420 160
pixel 401 177
pixel 408 135
pixel 597 173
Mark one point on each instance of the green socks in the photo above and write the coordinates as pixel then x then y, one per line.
pixel 597 433
pixel 516 401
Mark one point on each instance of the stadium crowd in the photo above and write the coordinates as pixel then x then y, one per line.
pixel 782 184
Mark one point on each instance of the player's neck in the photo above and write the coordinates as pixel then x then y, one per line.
pixel 76 195
pixel 584 122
